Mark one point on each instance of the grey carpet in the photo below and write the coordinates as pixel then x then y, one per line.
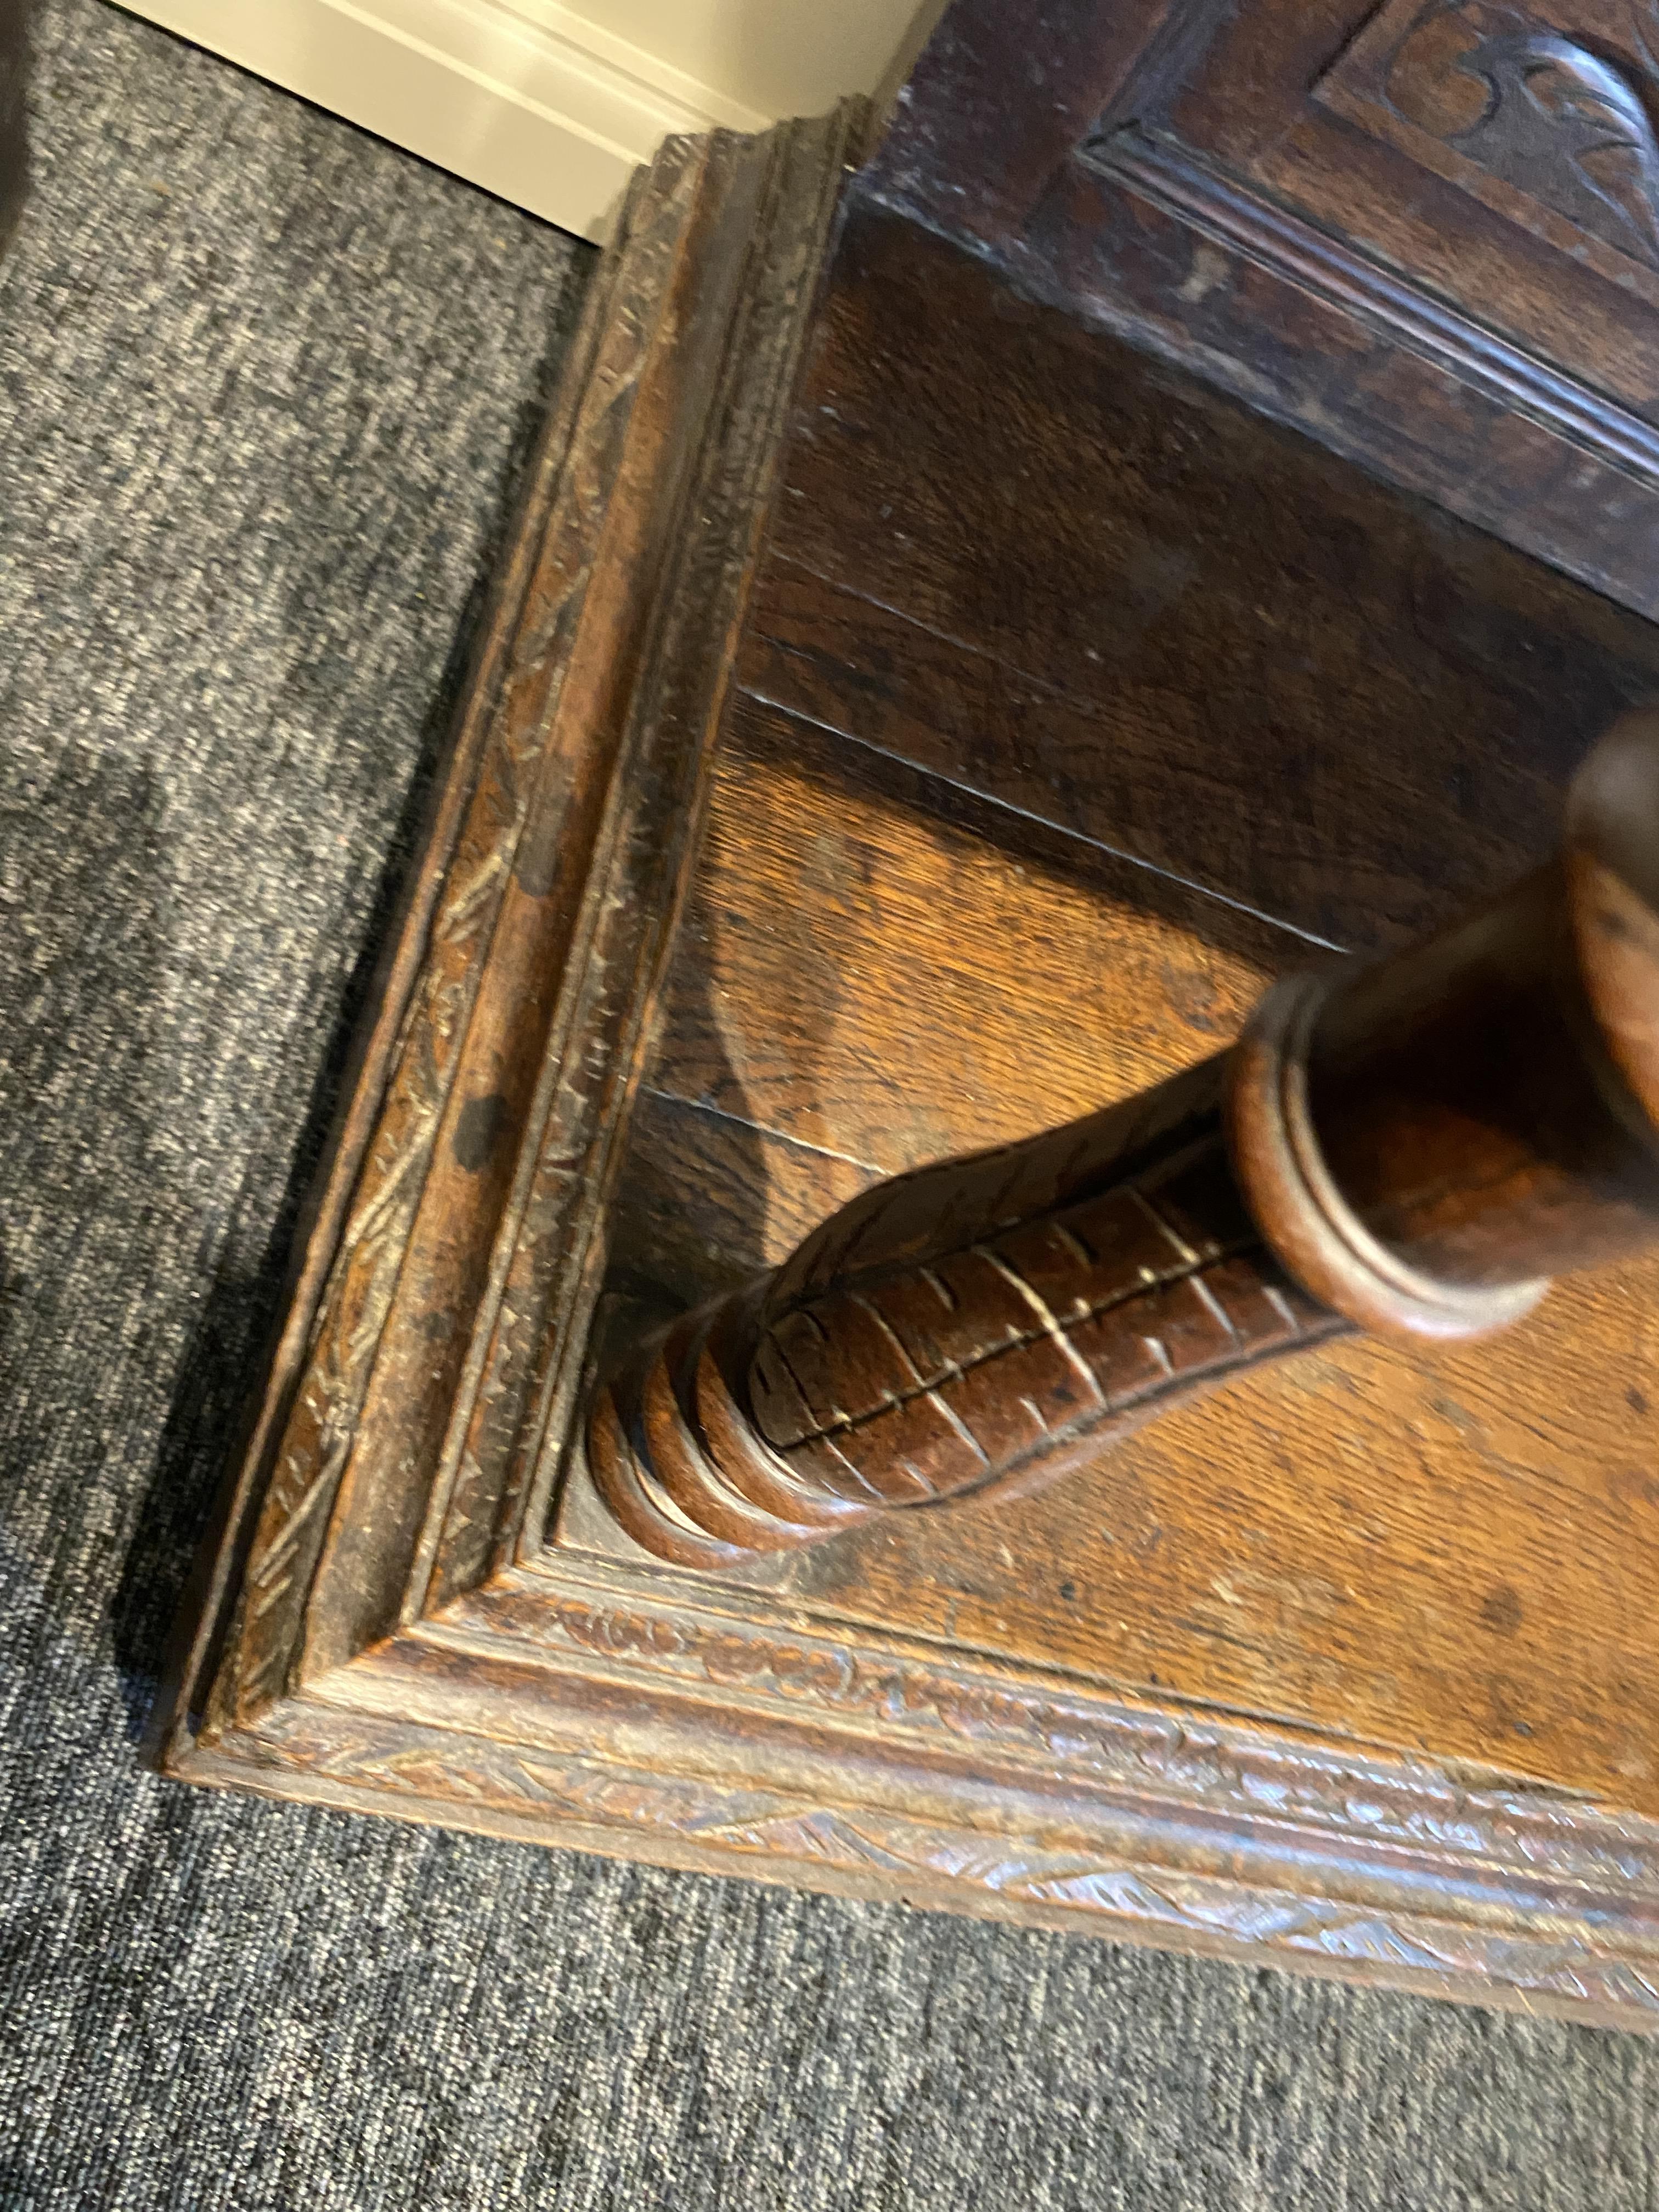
pixel 263 384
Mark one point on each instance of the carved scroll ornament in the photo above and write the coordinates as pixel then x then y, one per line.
pixel 1555 124
pixel 1414 1147
pixel 1554 117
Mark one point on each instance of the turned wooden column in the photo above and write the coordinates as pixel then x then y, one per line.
pixel 1417 1146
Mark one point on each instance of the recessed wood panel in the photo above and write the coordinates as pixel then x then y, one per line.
pixel 1500 155
pixel 1230 654
pixel 1009 708
pixel 1424 231
pixel 1444 1552
pixel 887 970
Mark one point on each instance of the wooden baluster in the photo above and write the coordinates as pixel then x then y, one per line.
pixel 1416 1147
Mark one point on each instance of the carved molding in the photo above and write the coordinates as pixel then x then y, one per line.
pixel 441 1320
pixel 321 1431
pixel 1392 1945
pixel 1552 117
pixel 570 1699
pixel 1062 1808
pixel 1190 1758
pixel 1221 215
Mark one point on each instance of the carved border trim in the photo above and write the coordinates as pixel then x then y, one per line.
pixel 1242 1903
pixel 1355 87
pixel 322 1431
pixel 530 1337
pixel 572 805
pixel 1359 1795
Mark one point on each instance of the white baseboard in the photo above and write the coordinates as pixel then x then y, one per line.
pixel 524 97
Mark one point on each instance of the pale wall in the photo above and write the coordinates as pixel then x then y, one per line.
pixel 550 105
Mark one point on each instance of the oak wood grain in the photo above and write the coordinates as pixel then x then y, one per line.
pixel 879 966
pixel 1447 1552
pixel 1328 701
pixel 1359 1541
pixel 703 1200
pixel 1362 846
pixel 442 1308
pixel 1396 228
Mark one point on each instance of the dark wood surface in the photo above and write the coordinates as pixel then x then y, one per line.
pixel 1108 598
pixel 1425 234
pixel 447 1278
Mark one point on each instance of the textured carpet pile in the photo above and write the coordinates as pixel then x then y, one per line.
pixel 264 383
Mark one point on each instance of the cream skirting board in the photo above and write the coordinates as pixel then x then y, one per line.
pixel 537 102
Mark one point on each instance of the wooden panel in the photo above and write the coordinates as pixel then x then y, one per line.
pixel 1460 145
pixel 1329 702
pixel 1448 1552
pixel 879 966
pixel 1429 235
pixel 703 1201
pixel 1363 844
pixel 1545 124
pixel 1453 1553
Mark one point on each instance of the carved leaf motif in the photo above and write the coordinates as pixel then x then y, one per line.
pixel 1554 119
pixel 1262 1913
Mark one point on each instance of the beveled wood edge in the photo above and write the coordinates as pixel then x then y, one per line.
pixel 442 1311
pixel 562 468
pixel 208 1598
pixel 576 1703
pixel 1200 193
pixel 781 248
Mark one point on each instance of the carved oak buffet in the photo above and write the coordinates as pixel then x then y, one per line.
pixel 999 587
